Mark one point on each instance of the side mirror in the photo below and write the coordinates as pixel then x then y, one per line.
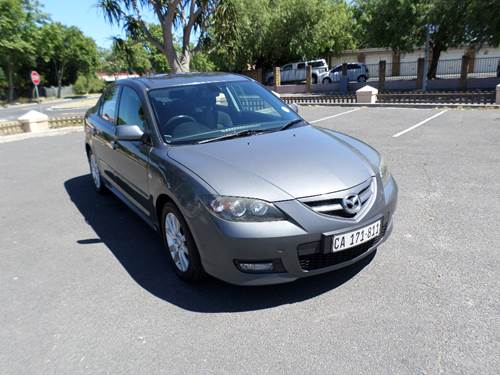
pixel 129 133
pixel 294 107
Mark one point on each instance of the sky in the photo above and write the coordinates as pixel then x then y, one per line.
pixel 85 15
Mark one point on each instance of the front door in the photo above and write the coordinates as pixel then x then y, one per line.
pixel 130 160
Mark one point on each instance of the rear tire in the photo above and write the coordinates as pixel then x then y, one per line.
pixel 362 79
pixel 96 173
pixel 180 245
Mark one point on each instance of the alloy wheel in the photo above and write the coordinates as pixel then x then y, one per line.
pixel 176 241
pixel 94 169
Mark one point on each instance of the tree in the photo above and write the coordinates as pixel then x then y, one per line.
pixel 16 34
pixel 452 23
pixel 271 32
pixel 67 47
pixel 133 56
pixel 89 82
pixel 187 16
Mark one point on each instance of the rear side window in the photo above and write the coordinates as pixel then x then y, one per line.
pixel 131 111
pixel 108 106
pixel 317 64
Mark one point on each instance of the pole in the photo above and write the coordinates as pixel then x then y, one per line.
pixel 426 57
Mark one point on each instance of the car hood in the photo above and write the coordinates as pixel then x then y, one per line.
pixel 282 165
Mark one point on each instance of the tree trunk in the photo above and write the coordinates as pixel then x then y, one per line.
pixel 59 80
pixel 436 52
pixel 10 74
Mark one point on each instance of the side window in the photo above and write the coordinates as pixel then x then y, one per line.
pixel 251 100
pixel 130 111
pixel 352 66
pixel 317 64
pixel 287 67
pixel 301 66
pixel 108 105
pixel 337 69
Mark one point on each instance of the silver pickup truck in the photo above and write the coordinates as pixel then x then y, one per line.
pixel 296 72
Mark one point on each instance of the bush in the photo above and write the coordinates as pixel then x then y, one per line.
pixel 88 83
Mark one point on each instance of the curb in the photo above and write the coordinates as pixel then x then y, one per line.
pixel 48 133
pixel 22 105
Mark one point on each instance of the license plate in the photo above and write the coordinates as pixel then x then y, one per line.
pixel 356 237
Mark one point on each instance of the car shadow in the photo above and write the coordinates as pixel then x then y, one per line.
pixel 138 248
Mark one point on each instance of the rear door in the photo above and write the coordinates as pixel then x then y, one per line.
pixel 300 72
pixel 130 158
pixel 104 131
pixel 286 73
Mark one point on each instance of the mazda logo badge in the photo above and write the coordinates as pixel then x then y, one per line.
pixel 351 204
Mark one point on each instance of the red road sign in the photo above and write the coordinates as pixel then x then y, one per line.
pixel 35 77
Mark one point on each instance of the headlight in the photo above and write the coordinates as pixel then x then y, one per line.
pixel 243 209
pixel 384 171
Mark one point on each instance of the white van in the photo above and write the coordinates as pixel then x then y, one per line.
pixel 296 72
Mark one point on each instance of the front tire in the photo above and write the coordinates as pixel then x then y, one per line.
pixel 362 79
pixel 180 245
pixel 327 80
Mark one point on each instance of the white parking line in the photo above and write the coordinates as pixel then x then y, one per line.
pixel 338 114
pixel 419 124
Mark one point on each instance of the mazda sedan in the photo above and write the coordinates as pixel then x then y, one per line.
pixel 237 183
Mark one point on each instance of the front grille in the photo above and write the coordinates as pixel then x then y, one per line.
pixel 331 204
pixel 318 259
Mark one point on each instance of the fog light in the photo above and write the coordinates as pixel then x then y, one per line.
pixel 256 267
pixel 270 266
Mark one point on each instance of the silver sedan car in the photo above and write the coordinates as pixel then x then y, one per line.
pixel 238 185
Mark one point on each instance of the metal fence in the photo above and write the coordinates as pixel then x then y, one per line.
pixel 451 68
pixel 394 71
pixel 15 127
pixel 484 67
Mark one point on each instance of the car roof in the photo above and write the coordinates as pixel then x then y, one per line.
pixel 179 79
pixel 305 62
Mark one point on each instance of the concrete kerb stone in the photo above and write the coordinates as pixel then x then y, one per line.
pixel 34 121
pixel 366 95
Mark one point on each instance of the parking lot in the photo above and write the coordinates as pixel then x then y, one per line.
pixel 86 288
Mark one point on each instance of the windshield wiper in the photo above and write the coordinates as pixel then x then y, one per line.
pixel 289 124
pixel 243 133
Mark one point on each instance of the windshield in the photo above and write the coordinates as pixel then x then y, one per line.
pixel 193 113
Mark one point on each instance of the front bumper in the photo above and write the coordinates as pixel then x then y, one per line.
pixel 295 244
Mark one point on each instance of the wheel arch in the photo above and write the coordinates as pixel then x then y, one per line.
pixel 160 201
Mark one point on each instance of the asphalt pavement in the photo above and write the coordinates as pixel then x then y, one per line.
pixel 86 288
